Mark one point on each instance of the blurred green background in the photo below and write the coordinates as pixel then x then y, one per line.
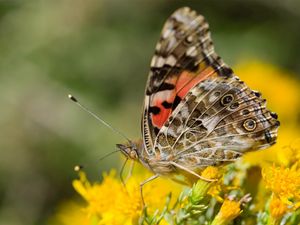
pixel 100 51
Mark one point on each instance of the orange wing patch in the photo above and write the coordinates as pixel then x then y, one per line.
pixel 188 80
pixel 159 119
pixel 165 101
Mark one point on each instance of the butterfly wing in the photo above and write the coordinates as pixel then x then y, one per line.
pixel 197 112
pixel 184 56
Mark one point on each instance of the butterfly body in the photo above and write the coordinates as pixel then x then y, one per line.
pixel 197 112
pixel 157 164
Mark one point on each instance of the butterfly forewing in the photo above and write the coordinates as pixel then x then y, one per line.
pixel 184 56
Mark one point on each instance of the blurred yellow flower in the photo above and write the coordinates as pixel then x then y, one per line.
pixel 71 213
pixel 283 182
pixel 229 210
pixel 277 208
pixel 284 152
pixel 211 172
pixel 290 154
pixel 218 188
pixel 276 85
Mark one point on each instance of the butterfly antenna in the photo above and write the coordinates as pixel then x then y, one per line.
pixel 108 154
pixel 97 117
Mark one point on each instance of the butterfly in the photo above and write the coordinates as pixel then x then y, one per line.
pixel 197 112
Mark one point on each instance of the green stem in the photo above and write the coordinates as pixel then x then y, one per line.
pixel 218 221
pixel 273 221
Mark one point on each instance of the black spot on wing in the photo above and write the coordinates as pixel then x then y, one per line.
pixel 177 100
pixel 166 86
pixel 268 136
pixel 154 110
pixel 256 93
pixel 225 71
pixel 167 105
pixel 220 68
pixel 189 63
pixel 156 130
pixel 158 74
pixel 274 115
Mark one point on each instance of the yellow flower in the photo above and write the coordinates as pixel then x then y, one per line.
pixel 111 198
pixel 212 188
pixel 91 193
pixel 290 154
pixel 201 187
pixel 283 182
pixel 70 213
pixel 211 172
pixel 285 152
pixel 217 189
pixel 229 211
pixel 277 208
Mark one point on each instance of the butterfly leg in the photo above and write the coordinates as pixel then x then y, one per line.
pixel 143 183
pixel 192 172
pixel 130 170
pixel 121 172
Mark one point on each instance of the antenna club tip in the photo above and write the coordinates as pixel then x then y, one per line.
pixel 77 168
pixel 72 98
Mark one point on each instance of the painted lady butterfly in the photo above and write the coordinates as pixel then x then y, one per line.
pixel 197 112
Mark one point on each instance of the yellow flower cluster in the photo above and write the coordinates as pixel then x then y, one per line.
pixel 110 198
pixel 285 186
pixel 283 97
pixel 283 182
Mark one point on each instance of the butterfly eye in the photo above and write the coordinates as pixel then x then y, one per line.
pixel 226 99
pixel 133 154
pixel 249 124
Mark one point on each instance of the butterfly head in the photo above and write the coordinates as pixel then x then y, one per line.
pixel 130 150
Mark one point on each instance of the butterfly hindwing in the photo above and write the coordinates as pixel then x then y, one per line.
pixel 218 120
